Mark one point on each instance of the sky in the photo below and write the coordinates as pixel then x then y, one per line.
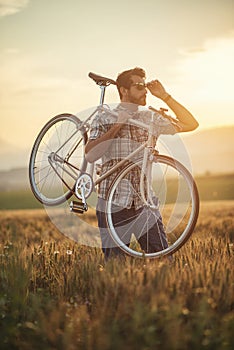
pixel 48 47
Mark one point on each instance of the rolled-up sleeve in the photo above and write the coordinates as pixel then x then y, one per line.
pixel 97 128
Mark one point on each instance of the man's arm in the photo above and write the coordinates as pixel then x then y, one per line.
pixel 97 147
pixel 186 121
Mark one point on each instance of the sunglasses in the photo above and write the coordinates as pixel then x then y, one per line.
pixel 140 86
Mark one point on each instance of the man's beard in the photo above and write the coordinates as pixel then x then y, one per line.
pixel 139 101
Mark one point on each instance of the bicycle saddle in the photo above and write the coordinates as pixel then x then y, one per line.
pixel 102 81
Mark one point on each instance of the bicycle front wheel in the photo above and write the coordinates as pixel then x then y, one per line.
pixel 160 229
pixel 57 159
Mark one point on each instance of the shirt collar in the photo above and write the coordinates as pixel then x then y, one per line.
pixel 131 108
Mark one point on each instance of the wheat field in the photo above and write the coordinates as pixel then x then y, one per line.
pixel 58 294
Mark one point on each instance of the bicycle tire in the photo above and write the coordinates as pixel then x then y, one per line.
pixel 57 159
pixel 185 224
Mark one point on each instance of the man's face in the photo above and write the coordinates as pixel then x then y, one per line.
pixel 137 91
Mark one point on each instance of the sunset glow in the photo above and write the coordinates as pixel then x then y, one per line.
pixel 47 50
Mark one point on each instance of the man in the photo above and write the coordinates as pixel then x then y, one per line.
pixel 112 138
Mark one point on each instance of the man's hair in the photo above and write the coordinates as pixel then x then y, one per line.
pixel 124 78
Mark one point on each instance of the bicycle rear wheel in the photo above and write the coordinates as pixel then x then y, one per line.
pixel 57 159
pixel 153 232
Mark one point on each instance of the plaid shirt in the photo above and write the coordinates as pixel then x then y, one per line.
pixel 128 138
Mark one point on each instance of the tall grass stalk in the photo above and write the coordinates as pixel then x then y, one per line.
pixel 56 294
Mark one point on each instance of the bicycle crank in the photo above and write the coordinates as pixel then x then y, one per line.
pixel 83 186
pixel 83 189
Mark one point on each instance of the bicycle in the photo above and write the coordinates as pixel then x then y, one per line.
pixel 57 171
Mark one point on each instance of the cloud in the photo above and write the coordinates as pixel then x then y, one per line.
pixel 208 70
pixel 9 7
pixel 203 78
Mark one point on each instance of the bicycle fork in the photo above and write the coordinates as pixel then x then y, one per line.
pixel 146 173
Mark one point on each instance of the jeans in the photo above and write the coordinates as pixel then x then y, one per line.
pixel 145 223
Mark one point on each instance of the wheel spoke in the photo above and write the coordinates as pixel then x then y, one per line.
pixel 52 177
pixel 159 232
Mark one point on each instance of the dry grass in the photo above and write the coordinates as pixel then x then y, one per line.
pixel 56 294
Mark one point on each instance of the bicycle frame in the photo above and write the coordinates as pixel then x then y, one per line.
pixel 165 190
pixel 148 148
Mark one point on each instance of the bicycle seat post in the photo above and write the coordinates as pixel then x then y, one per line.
pixel 103 83
pixel 103 90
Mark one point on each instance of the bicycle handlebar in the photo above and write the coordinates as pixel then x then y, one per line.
pixel 141 124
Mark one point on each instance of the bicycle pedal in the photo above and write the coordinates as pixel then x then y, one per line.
pixel 78 207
